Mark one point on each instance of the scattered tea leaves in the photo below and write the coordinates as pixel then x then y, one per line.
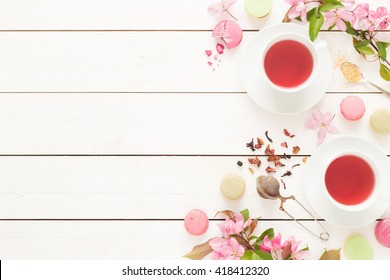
pixel 296 150
pixel 251 146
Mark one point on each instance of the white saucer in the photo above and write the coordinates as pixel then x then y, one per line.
pixel 262 93
pixel 315 191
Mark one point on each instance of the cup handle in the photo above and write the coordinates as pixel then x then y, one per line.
pixel 321 45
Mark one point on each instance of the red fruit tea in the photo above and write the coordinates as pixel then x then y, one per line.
pixel 350 180
pixel 288 63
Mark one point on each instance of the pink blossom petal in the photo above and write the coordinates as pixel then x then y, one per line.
pixel 303 16
pixel 301 255
pixel 381 12
pixel 318 116
pixel 292 2
pixel 217 256
pixel 208 52
pixel 329 22
pixel 294 13
pixel 312 124
pixel 330 14
pixel 239 218
pixel 217 243
pixel 321 134
pixel 341 24
pixel 215 10
pixel 328 117
pixel 331 129
pixel 347 16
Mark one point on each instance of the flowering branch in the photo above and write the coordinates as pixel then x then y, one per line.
pixel 239 243
pixel 356 20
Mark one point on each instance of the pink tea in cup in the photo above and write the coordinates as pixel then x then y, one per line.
pixel 288 63
pixel 349 180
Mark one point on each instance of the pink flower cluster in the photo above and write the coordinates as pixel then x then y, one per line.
pixel 361 17
pixel 275 246
pixel 227 247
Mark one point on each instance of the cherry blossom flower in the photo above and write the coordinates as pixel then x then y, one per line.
pixel 298 9
pixel 361 11
pixel 375 20
pixel 226 249
pixel 338 17
pixel 274 244
pixel 218 9
pixel 275 247
pixel 383 16
pixel 322 122
pixel 230 227
pixel 295 253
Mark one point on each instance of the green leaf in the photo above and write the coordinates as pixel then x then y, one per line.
pixel 330 255
pixel 385 72
pixel 330 5
pixel 253 237
pixel 331 27
pixel 350 30
pixel 200 251
pixel 310 13
pixel 385 44
pixel 245 213
pixel 365 50
pixel 270 232
pixel 382 49
pixel 258 255
pixel 316 21
pixel 361 43
pixel 247 255
pixel 263 255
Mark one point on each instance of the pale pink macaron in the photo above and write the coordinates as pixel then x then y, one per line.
pixel 382 232
pixel 196 222
pixel 352 108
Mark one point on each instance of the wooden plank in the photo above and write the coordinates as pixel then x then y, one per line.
pixel 124 14
pixel 134 187
pixel 139 240
pixel 129 61
pixel 158 124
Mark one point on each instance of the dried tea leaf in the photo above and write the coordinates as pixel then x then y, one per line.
pixel 199 251
pixel 330 255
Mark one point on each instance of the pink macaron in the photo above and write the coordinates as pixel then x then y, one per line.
pixel 229 31
pixel 196 222
pixel 352 108
pixel 382 232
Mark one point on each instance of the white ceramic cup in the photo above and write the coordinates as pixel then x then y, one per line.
pixel 378 192
pixel 312 47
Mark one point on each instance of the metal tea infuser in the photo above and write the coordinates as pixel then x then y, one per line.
pixel 268 187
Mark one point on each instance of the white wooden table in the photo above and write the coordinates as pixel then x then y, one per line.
pixel 113 127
